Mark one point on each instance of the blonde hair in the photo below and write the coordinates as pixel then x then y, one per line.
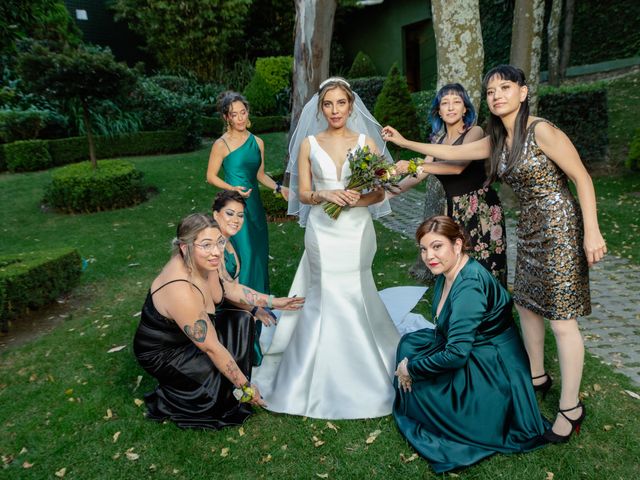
pixel 188 230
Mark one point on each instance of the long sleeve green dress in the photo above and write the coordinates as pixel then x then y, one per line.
pixel 472 394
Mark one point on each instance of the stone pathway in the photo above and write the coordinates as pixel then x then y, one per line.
pixel 611 332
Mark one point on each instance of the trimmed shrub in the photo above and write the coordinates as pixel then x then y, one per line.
pixel 81 188
pixel 580 111
pixel 214 126
pixel 394 106
pixel 276 71
pixel 27 155
pixel 368 89
pixel 261 97
pixel 30 124
pixel 633 160
pixel 422 101
pixel 32 280
pixel 362 66
pixel 274 206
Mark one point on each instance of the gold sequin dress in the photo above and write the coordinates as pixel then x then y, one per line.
pixel 552 275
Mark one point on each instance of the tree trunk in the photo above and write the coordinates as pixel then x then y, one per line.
pixel 526 44
pixel 86 117
pixel 459 45
pixel 312 47
pixel 553 31
pixel 569 10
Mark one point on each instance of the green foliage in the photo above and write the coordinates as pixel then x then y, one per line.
pixel 38 19
pixel 260 96
pixel 362 66
pixel 368 89
pixel 193 36
pixel 31 280
pixel 267 28
pixel 27 155
pixel 81 188
pixel 21 124
pixel 394 106
pixel 633 160
pixel 162 109
pixel 580 111
pixel 422 100
pixel 276 71
pixel 214 126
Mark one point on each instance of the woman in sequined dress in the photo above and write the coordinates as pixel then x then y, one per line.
pixel 557 237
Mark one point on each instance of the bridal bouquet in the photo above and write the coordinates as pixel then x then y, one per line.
pixel 368 171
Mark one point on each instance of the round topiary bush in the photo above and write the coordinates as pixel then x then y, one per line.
pixel 261 97
pixel 362 66
pixel 394 106
pixel 80 188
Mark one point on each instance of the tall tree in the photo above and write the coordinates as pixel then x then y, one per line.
pixel 459 45
pixel 553 44
pixel 526 43
pixel 569 10
pixel 311 51
pixel 194 35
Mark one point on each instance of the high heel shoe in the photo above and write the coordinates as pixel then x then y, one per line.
pixel 553 437
pixel 544 386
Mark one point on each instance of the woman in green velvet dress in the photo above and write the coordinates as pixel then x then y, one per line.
pixel 241 155
pixel 464 389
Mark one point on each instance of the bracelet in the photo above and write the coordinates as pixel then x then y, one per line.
pixel 270 301
pixel 313 200
pixel 278 188
pixel 254 310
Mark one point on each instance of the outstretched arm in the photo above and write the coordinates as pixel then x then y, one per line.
pixel 557 146
pixel 239 293
pixel 478 150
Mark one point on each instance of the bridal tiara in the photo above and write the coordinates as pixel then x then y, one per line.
pixel 334 79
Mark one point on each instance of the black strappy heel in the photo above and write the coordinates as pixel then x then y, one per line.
pixel 553 437
pixel 545 386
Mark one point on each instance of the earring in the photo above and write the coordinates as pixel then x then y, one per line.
pixel 228 127
pixel 248 123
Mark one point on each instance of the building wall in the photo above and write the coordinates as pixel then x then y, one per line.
pixel 381 32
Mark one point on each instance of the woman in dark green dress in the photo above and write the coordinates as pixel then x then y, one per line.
pixel 241 155
pixel 464 389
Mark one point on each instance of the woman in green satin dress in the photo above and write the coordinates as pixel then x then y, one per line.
pixel 241 155
pixel 464 390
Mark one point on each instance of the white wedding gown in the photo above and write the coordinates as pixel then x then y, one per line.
pixel 335 358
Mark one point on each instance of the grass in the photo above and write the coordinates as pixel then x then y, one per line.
pixel 64 398
pixel 624 104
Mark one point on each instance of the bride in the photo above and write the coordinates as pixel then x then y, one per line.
pixel 335 358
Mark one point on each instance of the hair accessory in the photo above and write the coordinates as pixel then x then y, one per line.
pixel 334 79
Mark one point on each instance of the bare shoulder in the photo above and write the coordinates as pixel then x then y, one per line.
pixel 546 132
pixel 259 141
pixel 475 133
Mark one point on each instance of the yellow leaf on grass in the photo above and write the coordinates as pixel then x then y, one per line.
pixel 549 476
pixel 68 391
pixel 132 456
pixel 408 459
pixel 115 437
pixel 596 387
pixel 138 402
pixel 224 452
pixel 116 349
pixel 372 436
pixel 60 473
pixel 266 459
pixel 116 456
pixel 26 464
pixel 109 414
pixel 317 442
pixel 241 431
pixel 322 475
pixel 332 427
pixel 607 428
pixel 23 450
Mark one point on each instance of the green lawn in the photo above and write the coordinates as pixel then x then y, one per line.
pixel 64 398
pixel 624 104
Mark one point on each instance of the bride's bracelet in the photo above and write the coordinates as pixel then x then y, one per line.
pixel 313 201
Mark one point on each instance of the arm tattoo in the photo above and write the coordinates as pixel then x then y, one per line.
pixel 232 372
pixel 250 296
pixel 197 332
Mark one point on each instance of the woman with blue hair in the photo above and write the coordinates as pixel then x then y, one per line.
pixel 474 206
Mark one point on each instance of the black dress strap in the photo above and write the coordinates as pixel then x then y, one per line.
pixel 181 280
pixel 225 142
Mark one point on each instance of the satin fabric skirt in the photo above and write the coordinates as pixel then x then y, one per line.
pixel 333 359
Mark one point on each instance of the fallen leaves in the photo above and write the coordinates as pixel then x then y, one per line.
pixel 632 394
pixel 138 402
pixel 131 455
pixel 317 442
pixel 26 464
pixel 322 475
pixel 372 437
pixel 116 436
pixel 61 473
pixel 116 349
pixel 549 476
pixel 332 427
pixel 408 459
pixel 224 452
pixel 109 415
pixel 241 431
pixel 266 459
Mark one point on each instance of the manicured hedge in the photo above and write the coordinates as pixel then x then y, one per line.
pixel 80 188
pixel 633 160
pixel 31 280
pixel 580 111
pixel 368 88
pixel 214 126
pixel 41 154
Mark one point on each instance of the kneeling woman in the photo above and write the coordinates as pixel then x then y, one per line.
pixel 464 389
pixel 199 357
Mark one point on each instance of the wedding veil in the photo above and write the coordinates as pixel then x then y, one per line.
pixel 312 122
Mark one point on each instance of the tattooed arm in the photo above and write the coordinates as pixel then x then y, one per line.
pixel 237 292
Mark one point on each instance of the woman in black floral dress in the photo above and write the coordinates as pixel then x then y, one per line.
pixel 472 205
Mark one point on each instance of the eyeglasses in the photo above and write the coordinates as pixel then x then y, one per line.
pixel 209 246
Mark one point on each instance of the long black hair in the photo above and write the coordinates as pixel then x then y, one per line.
pixel 496 129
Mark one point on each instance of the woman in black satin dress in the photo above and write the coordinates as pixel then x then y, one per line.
pixel 199 356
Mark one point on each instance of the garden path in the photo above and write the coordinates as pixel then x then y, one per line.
pixel 611 332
